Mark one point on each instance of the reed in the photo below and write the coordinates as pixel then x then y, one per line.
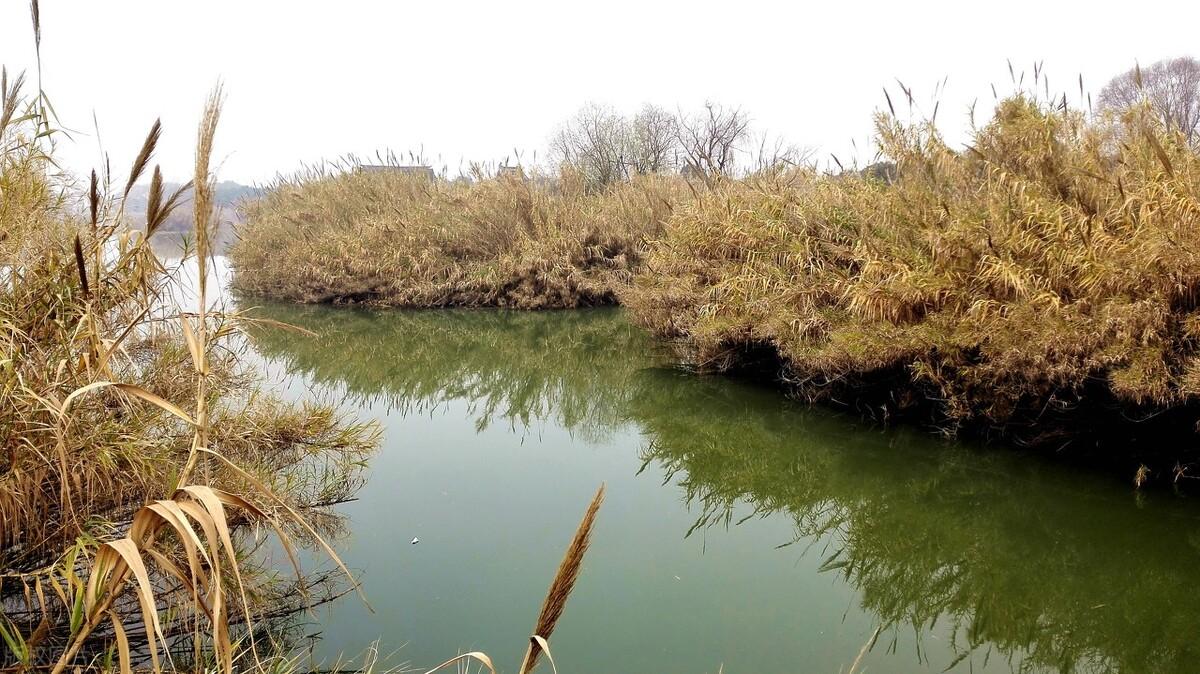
pixel 1037 284
pixel 119 509
pixel 562 585
pixel 395 239
pixel 552 607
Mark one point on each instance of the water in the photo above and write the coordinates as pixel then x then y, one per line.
pixel 741 531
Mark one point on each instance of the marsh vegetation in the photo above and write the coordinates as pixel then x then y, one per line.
pixel 1040 284
pixel 137 446
pixel 398 239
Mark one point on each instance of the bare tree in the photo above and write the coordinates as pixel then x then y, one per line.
pixel 709 140
pixel 594 142
pixel 652 141
pixel 606 147
pixel 773 155
pixel 1171 87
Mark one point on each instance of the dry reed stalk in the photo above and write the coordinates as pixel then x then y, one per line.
pixel 124 559
pixel 862 652
pixel 562 585
pixel 202 207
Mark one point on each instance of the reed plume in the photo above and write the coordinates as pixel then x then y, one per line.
pixel 9 97
pixel 143 156
pixel 202 210
pixel 563 583
pixel 94 202
pixel 158 209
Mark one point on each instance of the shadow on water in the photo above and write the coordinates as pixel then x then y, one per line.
pixel 1008 558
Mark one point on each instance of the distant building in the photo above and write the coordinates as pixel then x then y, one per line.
pixel 510 171
pixel 421 171
pixel 883 171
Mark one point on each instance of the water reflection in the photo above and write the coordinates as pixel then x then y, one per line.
pixel 571 367
pixel 1019 557
pixel 1002 559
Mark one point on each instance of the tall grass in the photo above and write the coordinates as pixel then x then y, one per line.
pixel 396 239
pixel 1040 282
pixel 120 500
pixel 1043 279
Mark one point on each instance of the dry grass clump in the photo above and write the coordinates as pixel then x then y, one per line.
pixel 128 427
pixel 1050 269
pixel 396 239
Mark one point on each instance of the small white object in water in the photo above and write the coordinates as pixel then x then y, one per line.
pixel 416 540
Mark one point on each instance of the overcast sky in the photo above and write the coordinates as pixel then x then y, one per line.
pixel 474 80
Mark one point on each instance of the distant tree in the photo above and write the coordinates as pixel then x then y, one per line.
pixel 1171 87
pixel 652 142
pixel 709 140
pixel 605 147
pixel 773 154
pixel 595 143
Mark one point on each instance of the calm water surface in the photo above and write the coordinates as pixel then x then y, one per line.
pixel 741 531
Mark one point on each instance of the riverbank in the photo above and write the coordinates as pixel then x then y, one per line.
pixel 1040 286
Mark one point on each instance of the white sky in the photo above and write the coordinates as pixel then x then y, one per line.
pixel 308 80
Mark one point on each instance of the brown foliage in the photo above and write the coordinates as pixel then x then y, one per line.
pixel 394 239
pixel 1052 267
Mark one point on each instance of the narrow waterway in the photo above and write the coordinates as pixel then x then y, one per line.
pixel 741 531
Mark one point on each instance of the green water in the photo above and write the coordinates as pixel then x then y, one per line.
pixel 741 531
